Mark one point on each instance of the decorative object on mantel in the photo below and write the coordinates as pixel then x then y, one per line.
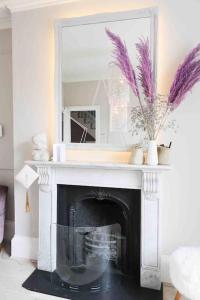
pixel 26 177
pixel 164 154
pixel 137 156
pixel 152 113
pixel 40 147
pixel 152 153
pixel 59 152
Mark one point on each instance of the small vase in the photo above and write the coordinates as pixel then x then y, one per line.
pixel 164 155
pixel 152 155
pixel 137 155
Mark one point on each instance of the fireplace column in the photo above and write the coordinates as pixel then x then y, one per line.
pixel 47 189
pixel 150 236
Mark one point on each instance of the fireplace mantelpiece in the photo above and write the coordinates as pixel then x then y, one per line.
pixel 145 178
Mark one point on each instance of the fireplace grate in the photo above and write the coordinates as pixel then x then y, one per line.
pixel 106 245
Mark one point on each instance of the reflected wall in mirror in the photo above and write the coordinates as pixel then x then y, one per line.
pixel 93 100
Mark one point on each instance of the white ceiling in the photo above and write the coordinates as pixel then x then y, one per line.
pixel 9 6
pixel 19 5
pixel 87 51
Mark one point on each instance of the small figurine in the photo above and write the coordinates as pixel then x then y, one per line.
pixel 40 147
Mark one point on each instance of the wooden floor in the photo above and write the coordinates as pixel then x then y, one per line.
pixel 170 293
pixel 14 272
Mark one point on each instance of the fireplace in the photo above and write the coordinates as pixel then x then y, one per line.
pixel 98 236
pixel 99 231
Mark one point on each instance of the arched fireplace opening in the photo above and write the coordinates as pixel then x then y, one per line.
pixel 98 236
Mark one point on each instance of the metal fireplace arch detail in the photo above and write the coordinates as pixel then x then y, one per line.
pixel 102 194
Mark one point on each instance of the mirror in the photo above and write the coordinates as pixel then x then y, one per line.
pixel 93 100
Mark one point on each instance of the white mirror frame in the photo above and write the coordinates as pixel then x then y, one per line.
pixel 151 13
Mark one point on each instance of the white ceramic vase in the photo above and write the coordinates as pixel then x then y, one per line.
pixel 137 155
pixel 164 155
pixel 152 154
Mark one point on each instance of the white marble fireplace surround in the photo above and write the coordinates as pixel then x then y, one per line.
pixel 145 178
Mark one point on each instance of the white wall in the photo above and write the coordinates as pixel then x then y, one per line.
pixel 33 66
pixel 6 118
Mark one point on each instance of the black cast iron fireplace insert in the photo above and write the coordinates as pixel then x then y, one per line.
pixel 97 246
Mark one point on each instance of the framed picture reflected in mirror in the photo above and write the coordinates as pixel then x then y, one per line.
pixel 81 124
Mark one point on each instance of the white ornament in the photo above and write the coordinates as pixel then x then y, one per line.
pixel 40 155
pixel 137 156
pixel 26 177
pixel 40 141
pixel 40 147
pixel 152 155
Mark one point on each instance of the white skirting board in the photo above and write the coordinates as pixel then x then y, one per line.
pixel 27 248
pixel 165 274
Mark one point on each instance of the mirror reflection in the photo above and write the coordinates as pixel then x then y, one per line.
pixel 96 99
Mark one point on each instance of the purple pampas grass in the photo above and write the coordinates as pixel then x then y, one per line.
pixel 123 61
pixel 187 75
pixel 145 69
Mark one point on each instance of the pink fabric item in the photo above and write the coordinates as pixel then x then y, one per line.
pixel 3 195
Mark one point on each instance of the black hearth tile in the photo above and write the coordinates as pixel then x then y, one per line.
pixel 40 281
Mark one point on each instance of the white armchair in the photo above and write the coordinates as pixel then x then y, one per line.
pixel 185 272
